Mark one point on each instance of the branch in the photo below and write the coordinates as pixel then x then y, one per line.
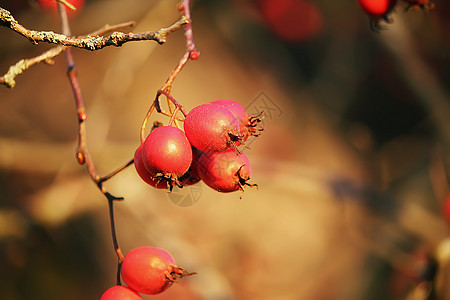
pixel 91 43
pixel 9 78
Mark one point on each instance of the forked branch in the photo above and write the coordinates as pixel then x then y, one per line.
pixel 92 43
pixel 22 65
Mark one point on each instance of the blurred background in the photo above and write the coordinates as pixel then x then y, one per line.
pixel 352 166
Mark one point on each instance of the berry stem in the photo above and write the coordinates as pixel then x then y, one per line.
pixel 166 88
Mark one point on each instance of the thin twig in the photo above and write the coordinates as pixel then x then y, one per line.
pixel 92 43
pixel 9 78
pixel 83 155
pixel 166 88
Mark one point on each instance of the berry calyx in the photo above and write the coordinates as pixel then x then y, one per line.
pixel 212 128
pixel 422 4
pixel 149 178
pixel 150 270
pixel 248 125
pixel 376 8
pixel 226 171
pixel 167 153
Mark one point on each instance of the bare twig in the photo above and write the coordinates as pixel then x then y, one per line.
pixel 191 53
pixel 83 155
pixel 92 43
pixel 9 78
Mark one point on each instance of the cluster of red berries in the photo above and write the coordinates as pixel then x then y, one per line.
pixel 146 270
pixel 206 150
pixel 380 9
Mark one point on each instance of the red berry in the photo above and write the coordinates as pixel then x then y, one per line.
pixel 146 175
pixel 194 54
pixel 150 270
pixel 119 292
pixel 211 127
pixel 247 124
pixel 377 8
pixel 292 20
pixel 48 5
pixel 226 171
pixel 167 152
pixel 191 176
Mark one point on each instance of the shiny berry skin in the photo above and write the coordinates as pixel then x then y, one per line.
pixel 211 127
pixel 150 270
pixel 376 8
pixel 167 151
pixel 148 177
pixel 119 292
pixel 226 171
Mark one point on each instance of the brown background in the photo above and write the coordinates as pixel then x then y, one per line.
pixel 350 167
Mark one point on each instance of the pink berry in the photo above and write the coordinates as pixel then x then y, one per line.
pixel 150 270
pixel 226 171
pixel 119 292
pixel 167 152
pixel 211 127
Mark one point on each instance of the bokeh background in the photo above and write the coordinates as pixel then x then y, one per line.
pixel 352 167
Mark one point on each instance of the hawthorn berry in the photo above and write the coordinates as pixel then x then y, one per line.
pixel 167 153
pixel 120 292
pixel 148 177
pixel 247 124
pixel 211 127
pixel 150 270
pixel 292 20
pixel 376 9
pixel 191 176
pixel 226 171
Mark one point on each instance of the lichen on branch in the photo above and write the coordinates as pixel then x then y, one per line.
pixel 91 43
